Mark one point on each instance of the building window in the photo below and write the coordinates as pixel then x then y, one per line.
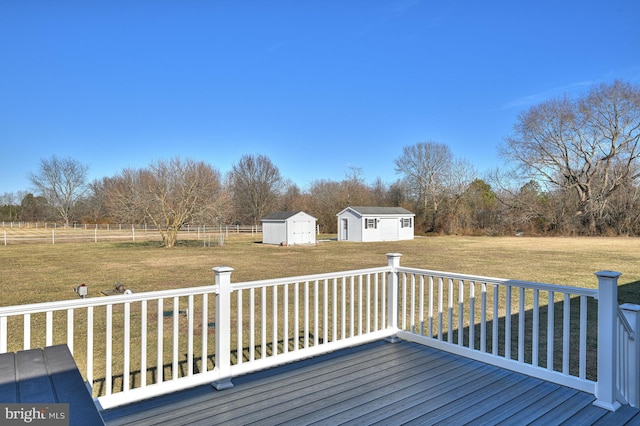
pixel 371 223
pixel 405 222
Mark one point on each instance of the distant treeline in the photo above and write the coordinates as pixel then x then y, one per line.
pixel 572 168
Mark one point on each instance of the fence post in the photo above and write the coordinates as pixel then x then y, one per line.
pixel 223 327
pixel 393 261
pixel 606 390
pixel 632 314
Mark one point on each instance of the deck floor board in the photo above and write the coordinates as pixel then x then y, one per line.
pixel 380 382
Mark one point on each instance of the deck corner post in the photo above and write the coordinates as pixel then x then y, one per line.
pixel 606 391
pixel 223 328
pixel 393 261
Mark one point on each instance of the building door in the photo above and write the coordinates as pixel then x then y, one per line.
pixel 345 229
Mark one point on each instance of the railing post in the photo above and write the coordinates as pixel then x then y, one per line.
pixel 223 327
pixel 393 261
pixel 632 314
pixel 606 391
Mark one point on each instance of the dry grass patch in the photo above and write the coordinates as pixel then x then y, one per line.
pixel 32 273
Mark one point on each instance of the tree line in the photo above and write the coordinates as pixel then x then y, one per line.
pixel 571 169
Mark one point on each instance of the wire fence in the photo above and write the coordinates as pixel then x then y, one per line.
pixel 54 233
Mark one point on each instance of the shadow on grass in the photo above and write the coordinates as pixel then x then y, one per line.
pixel 627 293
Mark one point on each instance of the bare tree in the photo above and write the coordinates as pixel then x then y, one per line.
pixel 10 209
pixel 423 167
pixel 62 181
pixel 255 184
pixel 326 200
pixel 169 194
pixel 587 145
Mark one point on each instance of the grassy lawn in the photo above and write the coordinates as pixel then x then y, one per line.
pixel 32 273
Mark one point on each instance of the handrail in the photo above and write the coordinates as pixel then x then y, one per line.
pixel 579 291
pixel 302 278
pixel 627 327
pixel 104 300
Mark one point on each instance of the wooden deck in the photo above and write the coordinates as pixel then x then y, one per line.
pixel 378 383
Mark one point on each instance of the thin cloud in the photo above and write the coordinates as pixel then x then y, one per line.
pixel 544 95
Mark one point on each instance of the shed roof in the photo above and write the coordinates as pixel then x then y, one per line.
pixel 283 215
pixel 370 210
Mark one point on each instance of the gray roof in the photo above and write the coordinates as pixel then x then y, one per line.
pixel 364 210
pixel 281 215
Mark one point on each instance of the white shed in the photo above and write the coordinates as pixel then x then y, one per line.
pixel 289 228
pixel 366 224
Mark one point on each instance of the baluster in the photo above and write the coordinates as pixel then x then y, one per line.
pixel 460 312
pixel 325 310
pixel 334 318
pixel 285 319
pixel 566 332
pixel 550 330
pixel 109 350
pixel 582 369
pixel 496 319
pixel 89 373
pixel 263 322
pixel 70 330
pixel 412 309
pixel 274 324
pixel 472 314
pixel 360 318
pixel 440 307
pixel 521 318
pixel 421 304
pixel 176 337
pixel 306 314
pixel 315 314
pixel 49 328
pixel 26 326
pixel 507 324
pixel 450 311
pixel 535 335
pixel 143 343
pixel 239 329
pixel 296 316
pixel 252 325
pixel 483 317
pixel 190 313
pixel 127 346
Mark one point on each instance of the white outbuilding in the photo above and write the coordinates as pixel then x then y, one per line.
pixel 289 228
pixel 367 224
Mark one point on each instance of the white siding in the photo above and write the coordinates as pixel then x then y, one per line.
pixel 388 226
pixel 274 232
pixel 354 227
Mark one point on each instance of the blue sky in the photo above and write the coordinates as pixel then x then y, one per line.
pixel 317 86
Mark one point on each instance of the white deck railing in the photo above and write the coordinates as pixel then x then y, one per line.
pixel 132 347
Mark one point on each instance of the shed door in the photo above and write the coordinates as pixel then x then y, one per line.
pixel 345 229
pixel 301 233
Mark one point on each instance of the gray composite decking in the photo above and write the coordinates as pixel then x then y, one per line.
pixel 377 383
